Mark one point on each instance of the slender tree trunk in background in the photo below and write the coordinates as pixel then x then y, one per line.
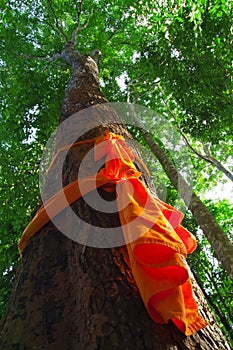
pixel 217 238
pixel 66 296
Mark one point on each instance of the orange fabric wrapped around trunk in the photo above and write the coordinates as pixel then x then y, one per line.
pixel 158 244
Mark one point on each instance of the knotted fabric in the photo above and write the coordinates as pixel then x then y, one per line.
pixel 157 243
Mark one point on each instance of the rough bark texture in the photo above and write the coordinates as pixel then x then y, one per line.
pixel 70 297
pixel 215 235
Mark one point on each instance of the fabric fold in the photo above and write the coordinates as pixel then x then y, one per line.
pixel 157 243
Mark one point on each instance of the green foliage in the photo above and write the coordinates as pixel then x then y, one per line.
pixel 213 279
pixel 173 57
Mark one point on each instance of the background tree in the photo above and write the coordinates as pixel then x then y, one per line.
pixel 130 36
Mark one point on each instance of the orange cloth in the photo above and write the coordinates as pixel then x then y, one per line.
pixel 158 243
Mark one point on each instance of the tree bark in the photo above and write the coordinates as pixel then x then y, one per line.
pixel 67 296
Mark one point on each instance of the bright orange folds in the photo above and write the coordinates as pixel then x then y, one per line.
pixel 157 243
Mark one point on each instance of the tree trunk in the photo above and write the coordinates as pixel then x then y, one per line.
pixel 68 296
pixel 217 238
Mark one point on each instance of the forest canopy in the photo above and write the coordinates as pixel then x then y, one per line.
pixel 173 57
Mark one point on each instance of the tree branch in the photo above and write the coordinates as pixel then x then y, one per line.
pixel 204 157
pixel 78 27
pixel 50 25
pixel 207 157
pixel 55 57
pixel 79 12
pixel 221 167
pixel 87 21
pixel 56 21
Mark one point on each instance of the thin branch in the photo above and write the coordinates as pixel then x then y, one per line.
pixel 55 57
pixel 206 149
pixel 78 27
pixel 87 21
pixel 133 83
pixel 112 35
pixel 204 157
pixel 34 57
pixel 221 167
pixel 56 20
pixel 184 136
pixel 208 157
pixel 41 58
pixel 79 12
pixel 50 25
pixel 74 36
